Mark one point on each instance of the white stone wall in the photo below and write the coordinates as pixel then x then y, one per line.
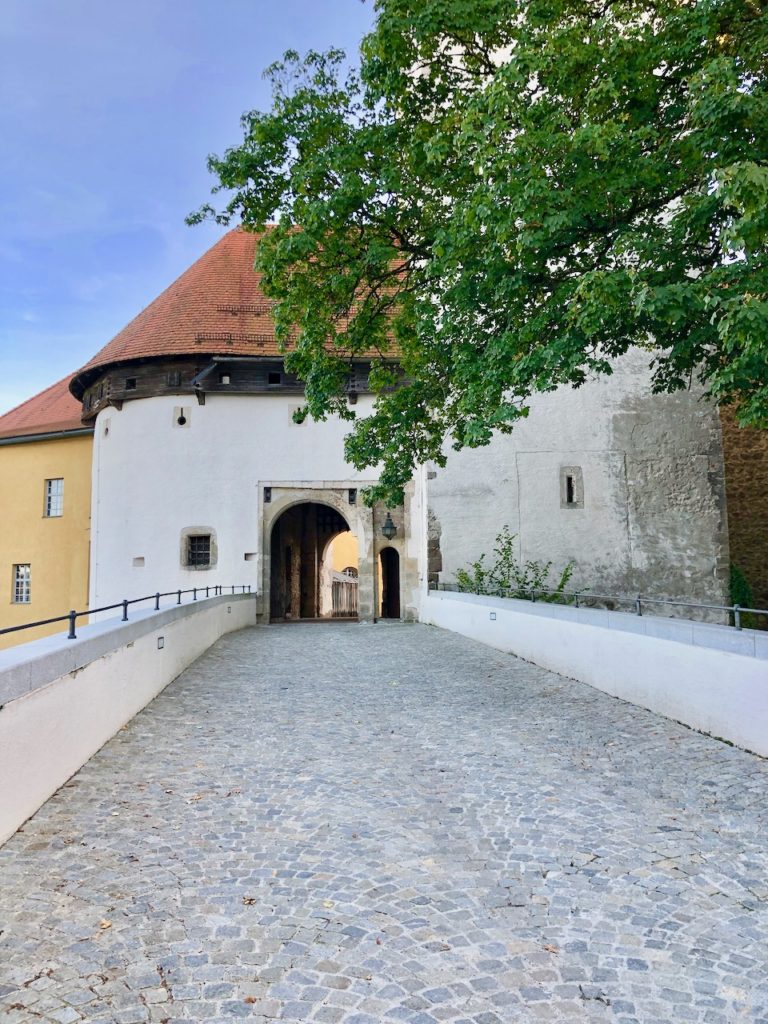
pixel 654 509
pixel 712 678
pixel 63 699
pixel 153 479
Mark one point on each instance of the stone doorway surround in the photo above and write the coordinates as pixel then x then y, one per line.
pixel 336 495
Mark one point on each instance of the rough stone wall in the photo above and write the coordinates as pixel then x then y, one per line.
pixel 746 483
pixel 649 515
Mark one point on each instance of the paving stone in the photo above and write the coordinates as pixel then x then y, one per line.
pixel 357 824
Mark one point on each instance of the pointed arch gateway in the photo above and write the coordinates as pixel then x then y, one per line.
pixel 308 544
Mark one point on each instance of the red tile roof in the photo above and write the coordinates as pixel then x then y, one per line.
pixel 52 410
pixel 216 307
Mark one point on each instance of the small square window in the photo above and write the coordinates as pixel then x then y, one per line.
pixel 274 377
pixel 174 378
pixel 199 550
pixel 22 584
pixel 130 383
pixel 225 378
pixel 54 497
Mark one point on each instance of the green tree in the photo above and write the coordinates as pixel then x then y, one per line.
pixel 508 194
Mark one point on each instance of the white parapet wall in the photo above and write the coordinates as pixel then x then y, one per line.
pixel 61 700
pixel 711 678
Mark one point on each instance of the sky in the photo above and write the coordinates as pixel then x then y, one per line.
pixel 107 114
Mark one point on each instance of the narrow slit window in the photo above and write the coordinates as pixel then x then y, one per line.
pixel 22 584
pixel 571 487
pixel 54 497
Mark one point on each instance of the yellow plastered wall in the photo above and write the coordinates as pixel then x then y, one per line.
pixel 57 548
pixel 343 551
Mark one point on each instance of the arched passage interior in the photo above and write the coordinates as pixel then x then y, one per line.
pixel 390 583
pixel 306 543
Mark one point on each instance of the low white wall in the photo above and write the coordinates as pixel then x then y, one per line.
pixel 63 699
pixel 717 691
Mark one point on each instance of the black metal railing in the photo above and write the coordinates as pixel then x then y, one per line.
pixel 579 598
pixel 72 616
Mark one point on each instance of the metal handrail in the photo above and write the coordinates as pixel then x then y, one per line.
pixel 638 601
pixel 72 616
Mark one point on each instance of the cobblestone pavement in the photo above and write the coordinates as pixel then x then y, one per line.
pixel 363 824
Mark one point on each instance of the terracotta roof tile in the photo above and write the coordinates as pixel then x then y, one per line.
pixel 52 410
pixel 216 307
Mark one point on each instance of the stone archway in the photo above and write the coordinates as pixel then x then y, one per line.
pixel 299 544
pixel 278 498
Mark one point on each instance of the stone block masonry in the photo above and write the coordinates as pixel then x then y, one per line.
pixel 745 452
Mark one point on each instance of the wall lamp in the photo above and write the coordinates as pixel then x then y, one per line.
pixel 389 529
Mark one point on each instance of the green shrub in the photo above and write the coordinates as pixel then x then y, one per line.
pixel 741 594
pixel 508 576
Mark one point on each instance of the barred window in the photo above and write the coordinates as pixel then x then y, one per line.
pixel 199 550
pixel 54 497
pixel 22 584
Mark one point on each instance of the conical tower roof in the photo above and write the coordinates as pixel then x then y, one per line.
pixel 216 307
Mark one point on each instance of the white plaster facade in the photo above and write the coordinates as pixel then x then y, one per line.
pixel 154 479
pixel 650 515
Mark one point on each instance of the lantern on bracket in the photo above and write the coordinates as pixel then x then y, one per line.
pixel 389 529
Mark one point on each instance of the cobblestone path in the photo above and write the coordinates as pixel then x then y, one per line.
pixel 391 824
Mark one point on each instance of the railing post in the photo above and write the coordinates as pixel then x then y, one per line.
pixel 125 609
pixel 206 591
pixel 533 596
pixel 194 593
pixel 157 601
pixel 737 616
pixel 233 588
pixel 72 621
pixel 639 605
pixel 577 599
pixel 178 597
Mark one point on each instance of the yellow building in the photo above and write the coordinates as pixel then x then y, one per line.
pixel 45 498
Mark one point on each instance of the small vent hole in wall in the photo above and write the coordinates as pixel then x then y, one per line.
pixel 274 377
pixel 130 383
pixel 250 556
pixel 138 563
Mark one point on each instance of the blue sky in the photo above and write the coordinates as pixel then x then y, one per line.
pixel 107 113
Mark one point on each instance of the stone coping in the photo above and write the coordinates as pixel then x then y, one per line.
pixel 35 664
